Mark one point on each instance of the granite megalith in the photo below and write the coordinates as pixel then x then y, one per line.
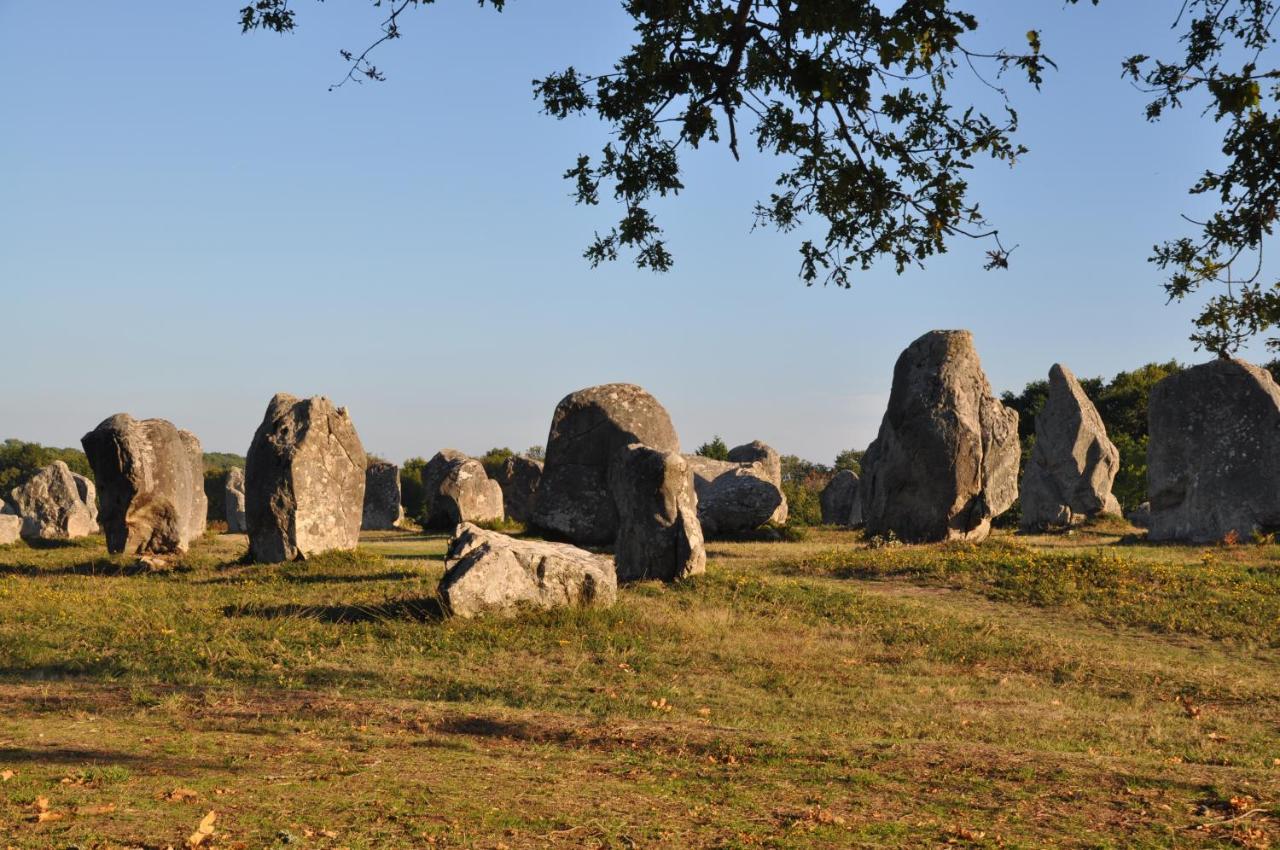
pixel 456 489
pixel 382 507
pixel 491 573
pixel 838 500
pixel 51 504
pixel 519 479
pixel 10 525
pixel 150 480
pixel 233 500
pixel 589 429
pixel 1073 465
pixel 304 481
pixel 945 461
pixel 659 536
pixel 1213 453
pixel 733 498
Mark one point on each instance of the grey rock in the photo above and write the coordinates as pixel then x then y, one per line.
pixel 304 481
pixel 839 500
pixel 659 536
pixel 770 463
pixel 456 489
pixel 234 501
pixel 88 495
pixel 590 427
pixel 491 573
pixel 735 497
pixel 1140 516
pixel 10 525
pixel 52 507
pixel 1213 454
pixel 945 461
pixel 382 508
pixel 150 480
pixel 519 481
pixel 1072 466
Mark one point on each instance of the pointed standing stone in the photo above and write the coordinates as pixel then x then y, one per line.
pixel 1073 464
pixel 304 481
pixel 945 462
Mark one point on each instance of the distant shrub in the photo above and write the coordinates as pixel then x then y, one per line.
pixel 412 495
pixel 850 459
pixel 715 449
pixel 493 460
pixel 803 504
pixel 536 453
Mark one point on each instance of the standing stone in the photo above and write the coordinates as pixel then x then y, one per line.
pixel 150 478
pixel 1213 455
pixel 838 500
pixel 491 573
pixel 456 489
pixel 88 495
pixel 519 481
pixel 590 427
pixel 1073 464
pixel 769 462
pixel 10 525
pixel 1140 516
pixel 51 506
pixel 304 481
pixel 382 508
pixel 234 497
pixel 659 536
pixel 733 498
pixel 945 462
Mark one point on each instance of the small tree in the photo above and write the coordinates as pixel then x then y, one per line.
pixel 716 449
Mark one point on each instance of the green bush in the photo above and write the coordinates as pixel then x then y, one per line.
pixel 716 449
pixel 412 495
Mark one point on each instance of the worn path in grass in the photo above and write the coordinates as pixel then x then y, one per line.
pixel 805 694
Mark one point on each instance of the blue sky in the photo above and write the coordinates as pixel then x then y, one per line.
pixel 190 222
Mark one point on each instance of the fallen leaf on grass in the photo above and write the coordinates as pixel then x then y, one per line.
pixel 6 775
pixel 203 831
pixel 177 795
pixel 104 809
pixel 43 813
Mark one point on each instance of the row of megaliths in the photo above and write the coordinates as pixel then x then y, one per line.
pixel 945 462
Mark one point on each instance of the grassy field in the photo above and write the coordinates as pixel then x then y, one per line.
pixel 1076 691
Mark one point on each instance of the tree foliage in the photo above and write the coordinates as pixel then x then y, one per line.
pixel 856 100
pixel 1227 48
pixel 716 449
pixel 851 97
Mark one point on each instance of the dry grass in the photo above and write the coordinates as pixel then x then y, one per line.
pixel 802 694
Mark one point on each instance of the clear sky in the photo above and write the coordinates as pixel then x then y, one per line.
pixel 190 222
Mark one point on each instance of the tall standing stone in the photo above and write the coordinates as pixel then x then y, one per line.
pixel 304 481
pixel 150 480
pixel 838 500
pixel 51 505
pixel 519 481
pixel 88 495
pixel 1073 464
pixel 588 430
pixel 945 462
pixel 456 489
pixel 659 536
pixel 234 501
pixel 1213 455
pixel 382 508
